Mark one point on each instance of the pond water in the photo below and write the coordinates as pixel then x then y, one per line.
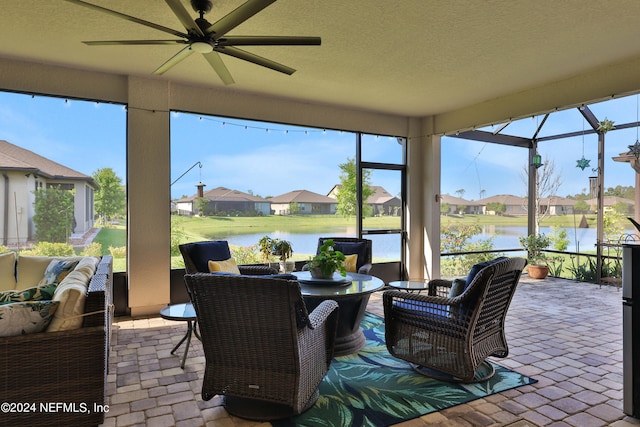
pixel 580 239
pixel 387 246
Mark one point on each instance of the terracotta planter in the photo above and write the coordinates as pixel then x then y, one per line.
pixel 537 271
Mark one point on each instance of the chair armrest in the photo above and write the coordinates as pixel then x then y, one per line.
pixel 321 330
pixel 439 287
pixel 256 270
pixel 319 315
pixel 365 268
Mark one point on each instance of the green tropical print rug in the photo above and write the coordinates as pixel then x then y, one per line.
pixel 373 388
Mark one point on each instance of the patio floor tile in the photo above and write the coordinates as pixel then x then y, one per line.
pixel 566 334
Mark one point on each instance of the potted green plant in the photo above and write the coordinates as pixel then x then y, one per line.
pixel 534 244
pixel 265 246
pixel 284 250
pixel 326 262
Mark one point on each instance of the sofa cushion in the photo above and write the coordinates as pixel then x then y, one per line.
pixel 72 294
pixel 225 266
pixel 27 317
pixel 479 266
pixel 30 269
pixel 36 293
pixel 350 263
pixel 350 248
pixel 57 270
pixel 7 271
pixel 202 252
pixel 457 288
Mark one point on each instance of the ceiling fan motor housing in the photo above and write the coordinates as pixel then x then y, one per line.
pixel 202 6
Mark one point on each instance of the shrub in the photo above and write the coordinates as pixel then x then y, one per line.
pixel 245 254
pixel 92 249
pixel 50 249
pixel 4 249
pixel 118 252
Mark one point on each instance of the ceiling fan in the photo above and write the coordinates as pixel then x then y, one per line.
pixel 209 39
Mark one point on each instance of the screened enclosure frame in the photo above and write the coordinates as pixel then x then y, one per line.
pixel 531 144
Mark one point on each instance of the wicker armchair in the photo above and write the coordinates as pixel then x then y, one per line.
pixel 196 255
pixel 450 338
pixel 264 352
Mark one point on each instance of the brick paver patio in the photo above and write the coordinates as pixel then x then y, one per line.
pixel 565 334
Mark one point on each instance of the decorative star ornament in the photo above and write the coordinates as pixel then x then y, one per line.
pixel 634 149
pixel 583 163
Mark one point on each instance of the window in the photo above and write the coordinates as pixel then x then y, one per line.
pixel 58 146
pixel 244 179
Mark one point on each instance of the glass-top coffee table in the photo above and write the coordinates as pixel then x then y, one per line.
pixel 410 285
pixel 182 313
pixel 352 295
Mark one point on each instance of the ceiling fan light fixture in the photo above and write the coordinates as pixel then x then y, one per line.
pixel 201 47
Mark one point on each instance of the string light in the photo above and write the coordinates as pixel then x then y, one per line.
pixel 582 163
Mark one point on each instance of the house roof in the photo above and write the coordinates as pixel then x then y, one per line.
pixel 227 195
pixel 380 196
pixel 18 158
pixel 505 199
pixel 558 201
pixel 301 196
pixel 610 201
pixel 457 201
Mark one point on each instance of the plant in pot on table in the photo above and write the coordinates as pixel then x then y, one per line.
pixel 326 262
pixel 284 250
pixel 534 244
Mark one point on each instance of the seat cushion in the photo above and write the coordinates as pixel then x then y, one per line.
pixel 202 252
pixel 36 293
pixel 28 317
pixel 7 271
pixel 225 266
pixel 57 270
pixel 72 295
pixel 350 248
pixel 351 262
pixel 479 266
pixel 430 317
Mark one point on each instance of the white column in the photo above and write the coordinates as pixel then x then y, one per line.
pixel 423 203
pixel 148 197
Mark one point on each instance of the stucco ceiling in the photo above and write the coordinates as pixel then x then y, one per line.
pixel 409 57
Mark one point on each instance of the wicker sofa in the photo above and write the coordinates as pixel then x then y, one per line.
pixel 59 378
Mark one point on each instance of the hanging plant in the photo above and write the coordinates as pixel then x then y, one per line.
pixel 606 125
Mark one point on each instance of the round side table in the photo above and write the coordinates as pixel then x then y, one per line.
pixel 182 313
pixel 410 285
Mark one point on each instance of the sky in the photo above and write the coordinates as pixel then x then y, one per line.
pixel 268 159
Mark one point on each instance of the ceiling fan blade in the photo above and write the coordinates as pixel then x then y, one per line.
pixel 129 18
pixel 132 42
pixel 268 41
pixel 219 67
pixel 175 59
pixel 256 59
pixel 184 17
pixel 237 16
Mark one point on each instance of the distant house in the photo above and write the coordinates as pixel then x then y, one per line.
pixel 460 205
pixel 381 201
pixel 302 202
pixel 23 172
pixel 224 201
pixel 556 205
pixel 610 202
pixel 514 205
